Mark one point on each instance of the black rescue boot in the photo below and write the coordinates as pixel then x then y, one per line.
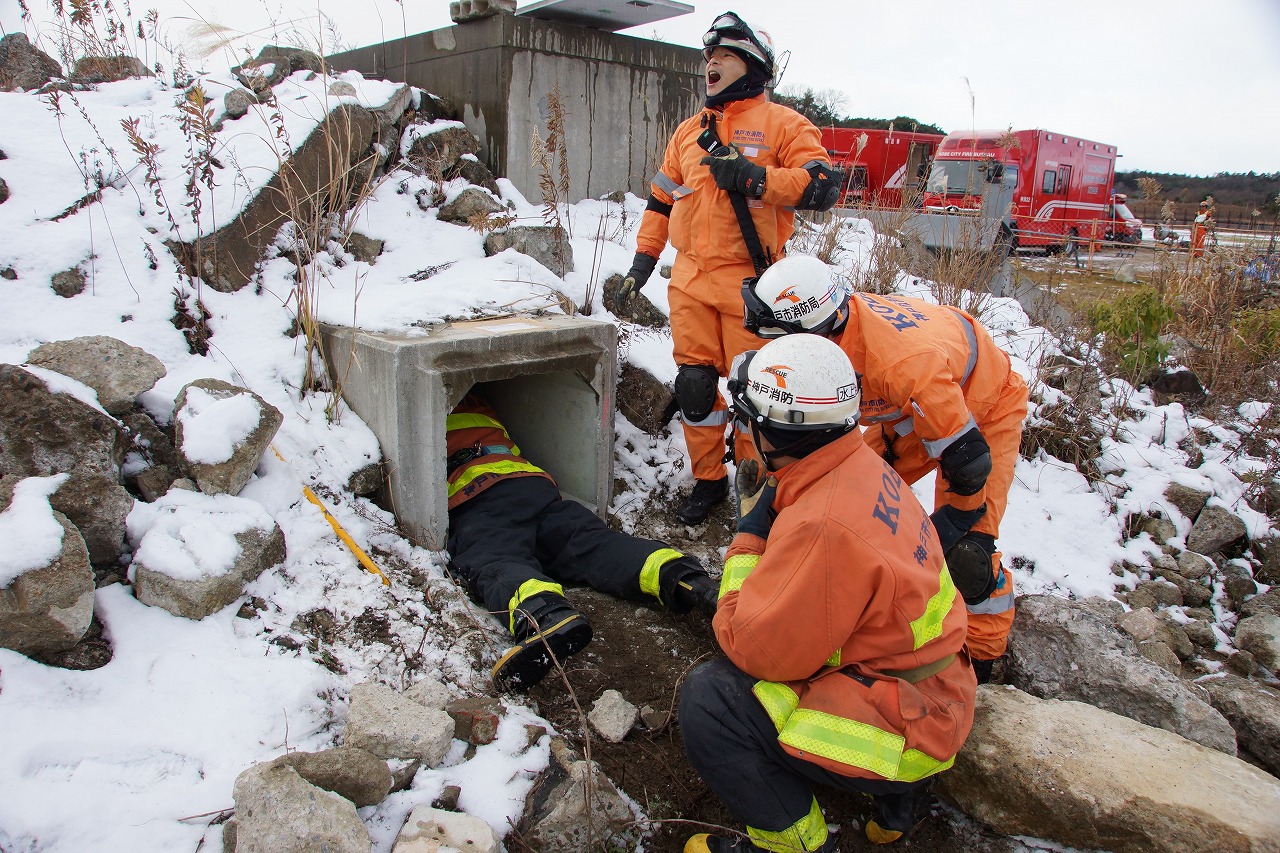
pixel 546 626
pixel 684 585
pixel 897 814
pixel 705 495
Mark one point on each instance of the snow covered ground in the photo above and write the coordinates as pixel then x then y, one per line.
pixel 141 754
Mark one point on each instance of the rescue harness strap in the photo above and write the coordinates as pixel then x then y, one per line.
pixel 761 258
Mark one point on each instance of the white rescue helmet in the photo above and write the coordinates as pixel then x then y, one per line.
pixel 797 294
pixel 729 30
pixel 796 383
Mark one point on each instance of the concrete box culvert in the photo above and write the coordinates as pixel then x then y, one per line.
pixel 552 380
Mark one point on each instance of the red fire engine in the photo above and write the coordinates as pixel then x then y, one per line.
pixel 886 163
pixel 1063 185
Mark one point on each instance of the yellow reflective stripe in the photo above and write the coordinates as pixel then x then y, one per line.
pixel 834 660
pixel 779 701
pixel 652 569
pixel 929 626
pixel 504 466
pixel 808 833
pixel 527 590
pixel 471 420
pixel 916 765
pixel 736 570
pixel 846 741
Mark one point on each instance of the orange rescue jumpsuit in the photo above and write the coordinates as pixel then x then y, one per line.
pixel 847 617
pixel 712 259
pixel 1200 230
pixel 929 374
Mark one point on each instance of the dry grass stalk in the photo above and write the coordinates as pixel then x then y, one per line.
pixel 551 157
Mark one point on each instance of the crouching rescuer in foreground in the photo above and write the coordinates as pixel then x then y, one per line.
pixel 843 632
pixel 513 539
pixel 726 194
pixel 938 395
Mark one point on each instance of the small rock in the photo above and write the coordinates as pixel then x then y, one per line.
pixel 430 693
pixel 1164 593
pixel 69 283
pixel 341 89
pixel 654 719
pixel 364 249
pixel 390 725
pixel 1242 663
pixel 1193 565
pixel 1238 581
pixel 469 203
pixel 1260 635
pixel 349 772
pixel 402 773
pixel 613 716
pixel 429 830
pixel 1189 501
pixel 1267 602
pixel 1160 530
pixel 1161 655
pixel 236 102
pixel 448 799
pixel 1201 634
pixel 1216 529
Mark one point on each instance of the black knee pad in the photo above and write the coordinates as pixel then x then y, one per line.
pixel 696 387
pixel 969 562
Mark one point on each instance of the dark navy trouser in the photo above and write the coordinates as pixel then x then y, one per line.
pixel 733 744
pixel 520 529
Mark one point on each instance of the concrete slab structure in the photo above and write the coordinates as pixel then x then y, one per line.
pixel 552 380
pixel 623 96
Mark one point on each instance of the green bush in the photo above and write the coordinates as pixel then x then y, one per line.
pixel 1131 327
pixel 1258 334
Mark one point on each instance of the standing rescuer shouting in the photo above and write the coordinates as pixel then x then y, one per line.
pixel 842 631
pixel 726 194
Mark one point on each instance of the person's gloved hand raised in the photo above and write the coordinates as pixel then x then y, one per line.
pixel 642 266
pixel 755 499
pixel 733 172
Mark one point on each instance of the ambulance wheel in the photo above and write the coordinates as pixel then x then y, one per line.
pixel 1072 245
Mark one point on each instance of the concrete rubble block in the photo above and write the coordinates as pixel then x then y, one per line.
pixel 115 370
pixel 612 716
pixel 1254 710
pixel 1267 602
pixel 69 283
pixel 1188 501
pixel 98 506
pixel 108 69
pixel 47 608
pixel 390 725
pixel 1164 593
pixel 194 553
pixel 360 776
pixel 1201 634
pixel 1084 777
pixel 364 249
pixel 367 480
pixel 1260 636
pixel 431 693
pixel 1194 566
pixel 154 482
pixel 228 257
pixel 1144 624
pixel 1237 580
pixel 564 817
pixel 44 431
pixel 341 89
pixel 469 203
pixel 645 400
pixel 277 811
pixel 638 310
pixel 1161 655
pixel 473 171
pixel 1243 664
pixel 393 110
pixel 1194 593
pixel 431 830
pixel 210 397
pixel 1216 529
pixel 437 151
pixel 548 245
pixel 273 64
pixel 237 102
pixel 1061 649
pixel 24 66
pixel 1159 528
pixel 148 439
pixel 475 720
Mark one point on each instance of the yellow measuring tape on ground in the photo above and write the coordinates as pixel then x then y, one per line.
pixel 337 528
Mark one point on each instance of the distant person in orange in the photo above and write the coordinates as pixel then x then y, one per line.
pixel 1200 229
pixel 938 395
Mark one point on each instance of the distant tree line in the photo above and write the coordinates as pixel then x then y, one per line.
pixel 825 108
pixel 1240 199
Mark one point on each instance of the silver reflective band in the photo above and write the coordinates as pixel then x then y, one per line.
pixel 719 419
pixel 994 604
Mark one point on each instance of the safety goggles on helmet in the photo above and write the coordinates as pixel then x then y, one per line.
pixel 729 30
pixel 799 295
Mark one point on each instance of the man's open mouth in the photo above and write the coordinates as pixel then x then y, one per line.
pixel 713 77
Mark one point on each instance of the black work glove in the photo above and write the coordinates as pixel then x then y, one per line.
pixel 755 499
pixel 641 268
pixel 952 523
pixel 733 172
pixel 966 463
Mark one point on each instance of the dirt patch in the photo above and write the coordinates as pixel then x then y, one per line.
pixel 644 652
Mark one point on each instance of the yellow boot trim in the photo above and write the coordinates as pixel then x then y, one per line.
pixel 651 572
pixel 808 833
pixel 527 590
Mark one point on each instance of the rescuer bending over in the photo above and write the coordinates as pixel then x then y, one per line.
pixel 512 538
pixel 726 194
pixel 843 632
pixel 937 395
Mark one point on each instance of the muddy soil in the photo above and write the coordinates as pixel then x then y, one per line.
pixel 644 652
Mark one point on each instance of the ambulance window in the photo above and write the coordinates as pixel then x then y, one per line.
pixel 1050 181
pixel 1010 174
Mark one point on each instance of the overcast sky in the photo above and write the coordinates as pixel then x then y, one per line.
pixel 1178 85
